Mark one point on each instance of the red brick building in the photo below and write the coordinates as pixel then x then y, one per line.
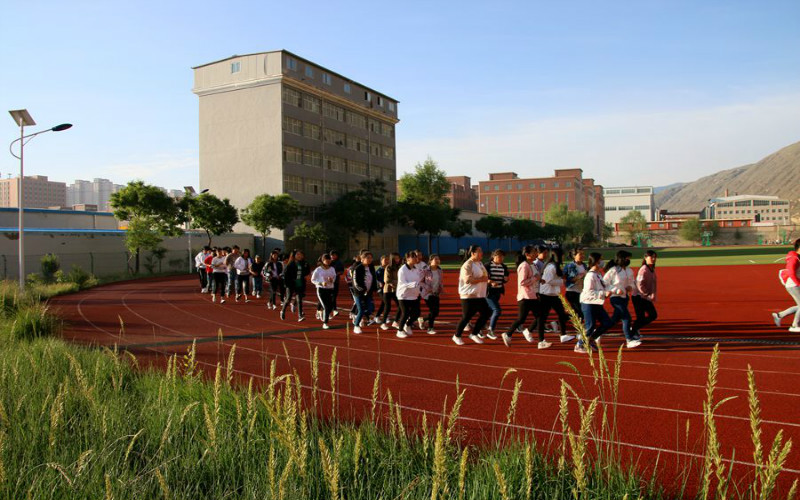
pixel 530 198
pixel 462 195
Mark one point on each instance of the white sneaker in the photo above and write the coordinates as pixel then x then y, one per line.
pixel 221 301
pixel 325 326
pixel 291 307
pixel 401 335
pixel 420 322
pixel 385 326
pixel 246 300
pixel 458 340
pixel 776 319
pixel 431 331
pixel 371 321
pixel 476 339
pixel 467 328
pixel 528 335
pixel 579 348
pixel 506 339
pixel 408 330
pixel 555 326
pixel 794 329
pixel 490 334
pixel 236 299
pixel 213 298
pixel 395 324
pixel 258 295
pixel 630 344
pixel 544 344
pixel 567 338
pixel 335 313
pixel 357 329
pixel 301 318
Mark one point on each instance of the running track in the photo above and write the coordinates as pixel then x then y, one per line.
pixel 662 383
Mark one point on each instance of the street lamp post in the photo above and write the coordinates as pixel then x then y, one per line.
pixel 23 119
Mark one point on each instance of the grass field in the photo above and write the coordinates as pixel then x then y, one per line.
pixel 692 256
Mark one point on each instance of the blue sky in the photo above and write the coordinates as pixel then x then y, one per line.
pixel 649 92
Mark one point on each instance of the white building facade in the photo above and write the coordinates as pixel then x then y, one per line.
pixel 621 200
pixel 764 209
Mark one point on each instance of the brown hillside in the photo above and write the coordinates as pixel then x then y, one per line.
pixel 778 174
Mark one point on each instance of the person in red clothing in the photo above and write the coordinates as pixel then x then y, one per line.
pixel 790 278
pixel 645 298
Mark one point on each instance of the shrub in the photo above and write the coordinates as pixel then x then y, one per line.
pixel 50 266
pixel 10 298
pixel 33 321
pixel 80 277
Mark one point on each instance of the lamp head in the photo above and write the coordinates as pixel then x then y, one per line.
pixel 63 126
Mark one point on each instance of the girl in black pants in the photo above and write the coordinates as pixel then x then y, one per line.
pixel 527 296
pixel 550 298
pixel 390 291
pixel 433 288
pixel 472 284
pixel 294 277
pixel 644 299
pixel 273 272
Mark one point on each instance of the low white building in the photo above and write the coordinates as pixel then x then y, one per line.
pixel 621 200
pixel 766 209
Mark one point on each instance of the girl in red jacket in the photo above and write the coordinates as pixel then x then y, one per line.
pixel 790 277
pixel 645 298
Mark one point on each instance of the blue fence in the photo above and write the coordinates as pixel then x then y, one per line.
pixel 447 245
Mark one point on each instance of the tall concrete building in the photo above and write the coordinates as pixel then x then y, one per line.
pixel 40 192
pixel 759 208
pixel 274 123
pixel 96 192
pixel 462 195
pixel 530 198
pixel 621 200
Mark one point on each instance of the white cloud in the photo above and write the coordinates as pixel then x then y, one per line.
pixel 170 170
pixel 655 148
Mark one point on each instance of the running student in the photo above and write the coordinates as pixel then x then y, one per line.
pixel 498 277
pixel 337 264
pixel 472 284
pixel 256 268
pixel 433 288
pixel 620 282
pixel 200 265
pixel 408 281
pixel 230 259
pixel 242 265
pixel 574 272
pixel 364 283
pixel 390 291
pixel 593 297
pixel 644 300
pixel 550 298
pixel 323 278
pixel 219 272
pixel 273 272
pixel 294 277
pixel 379 277
pixel 790 278
pixel 527 293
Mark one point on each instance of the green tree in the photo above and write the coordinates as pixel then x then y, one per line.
pixel 577 226
pixel 458 229
pixel 151 215
pixel 305 234
pixel 363 210
pixel 633 223
pixel 607 232
pixel 427 185
pixel 425 218
pixel 524 229
pixel 493 226
pixel 267 212
pixel 213 215
pixel 691 230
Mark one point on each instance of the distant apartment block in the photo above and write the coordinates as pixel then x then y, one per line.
pixel 765 209
pixel 530 198
pixel 274 123
pixel 96 192
pixel 462 195
pixel 40 192
pixel 621 200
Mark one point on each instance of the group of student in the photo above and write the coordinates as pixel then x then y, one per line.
pixel 408 281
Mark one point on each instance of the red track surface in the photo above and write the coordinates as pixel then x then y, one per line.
pixel 662 383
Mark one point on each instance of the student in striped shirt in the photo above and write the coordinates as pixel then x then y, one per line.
pixel 498 277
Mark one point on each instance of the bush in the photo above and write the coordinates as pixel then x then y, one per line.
pixel 50 266
pixel 10 298
pixel 33 321
pixel 80 277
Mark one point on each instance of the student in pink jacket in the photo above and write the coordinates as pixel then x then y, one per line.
pixel 527 293
pixel 644 300
pixel 790 279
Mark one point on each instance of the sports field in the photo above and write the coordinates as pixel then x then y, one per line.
pixel 661 390
pixel 690 256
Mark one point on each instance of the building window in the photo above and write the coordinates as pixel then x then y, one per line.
pixel 556 198
pixel 387 130
pixel 292 155
pixel 508 187
pixel 292 97
pixel 332 111
pixel 388 152
pixel 310 103
pixel 376 150
pixel 293 183
pixel 555 184
pixel 542 185
pixel 326 78
pixel 291 63
pixel 347 88
pixel 357 120
pixel 313 186
pixel 311 131
pixel 388 175
pixel 356 144
pixel 312 158
pixel 497 187
pixel 566 198
pixel 380 101
pixel 236 67
pixel 292 125
pixel 367 96
pixel 357 167
pixel 309 72
pixel 333 137
pixel 391 106
pixel 335 163
pixel 568 184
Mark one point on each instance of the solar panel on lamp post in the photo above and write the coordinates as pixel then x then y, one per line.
pixel 23 119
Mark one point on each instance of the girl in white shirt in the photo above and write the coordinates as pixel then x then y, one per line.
pixel 323 278
pixel 621 284
pixel 219 273
pixel 408 288
pixel 472 284
pixel 550 297
pixel 593 297
pixel 242 265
